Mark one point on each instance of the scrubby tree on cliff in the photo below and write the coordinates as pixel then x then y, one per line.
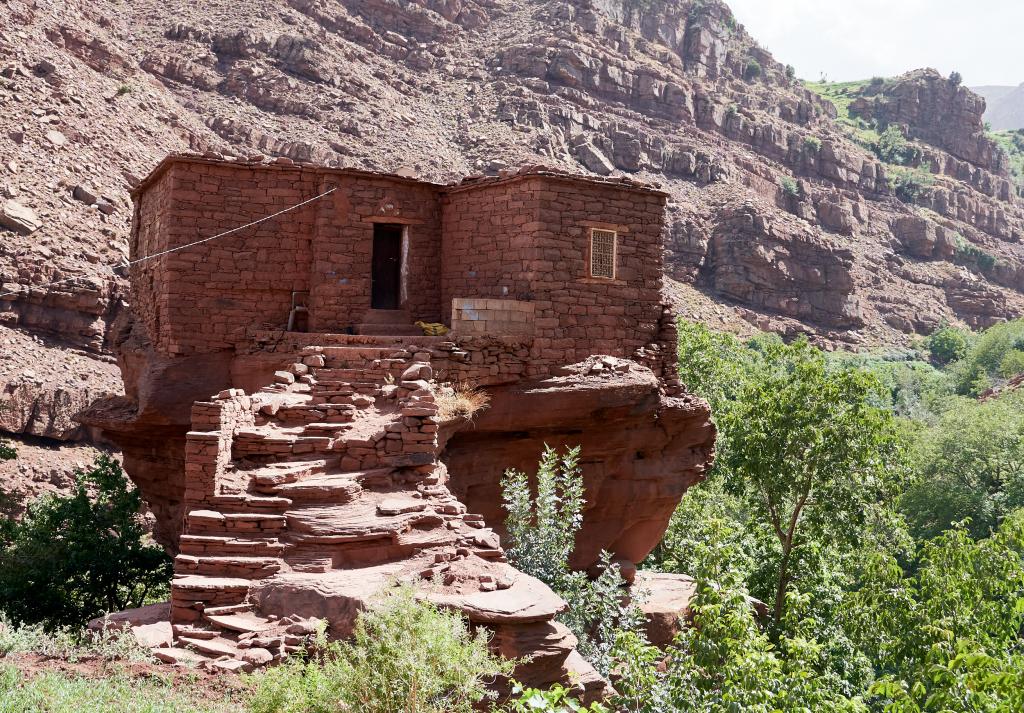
pixel 77 557
pixel 808 453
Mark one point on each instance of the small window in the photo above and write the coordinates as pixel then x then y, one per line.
pixel 602 253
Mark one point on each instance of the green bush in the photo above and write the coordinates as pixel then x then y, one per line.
pixel 983 363
pixel 752 70
pixel 948 344
pixel 405 656
pixel 970 465
pixel 812 144
pixel 892 147
pixel 541 538
pixel 1012 364
pixel 970 254
pixel 74 558
pixel 790 72
pixel 790 187
pixel 556 699
pixel 909 184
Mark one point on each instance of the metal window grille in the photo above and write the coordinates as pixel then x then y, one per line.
pixel 602 253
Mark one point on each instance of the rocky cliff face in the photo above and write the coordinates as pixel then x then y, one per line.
pixel 779 220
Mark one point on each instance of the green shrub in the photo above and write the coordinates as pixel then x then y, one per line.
pixel 74 558
pixel 909 184
pixel 948 344
pixel 893 147
pixel 556 699
pixel 405 656
pixel 812 144
pixel 542 535
pixel 752 70
pixel 970 254
pixel 1012 364
pixel 956 79
pixel 7 451
pixel 790 187
pixel 790 72
pixel 970 465
pixel 984 361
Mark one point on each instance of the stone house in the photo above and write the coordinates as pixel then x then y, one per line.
pixel 284 416
pixel 575 262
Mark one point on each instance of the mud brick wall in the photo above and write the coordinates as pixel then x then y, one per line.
pixel 343 250
pixel 208 294
pixel 528 238
pixel 471 315
pixel 203 298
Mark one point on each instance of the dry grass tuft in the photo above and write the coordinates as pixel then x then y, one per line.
pixel 459 400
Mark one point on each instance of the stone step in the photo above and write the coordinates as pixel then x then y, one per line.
pixel 220 566
pixel 214 546
pixel 211 522
pixel 326 429
pixel 388 329
pixel 189 592
pixel 243 623
pixel 233 609
pixel 175 655
pixel 247 503
pixel 286 472
pixel 194 632
pixel 338 488
pixel 211 647
pixel 359 521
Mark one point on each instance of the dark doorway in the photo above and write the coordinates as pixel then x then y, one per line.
pixel 386 281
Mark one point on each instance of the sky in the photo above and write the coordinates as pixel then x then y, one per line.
pixel 858 39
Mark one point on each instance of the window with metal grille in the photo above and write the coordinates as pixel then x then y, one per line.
pixel 602 253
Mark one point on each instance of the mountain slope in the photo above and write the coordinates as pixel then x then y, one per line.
pixel 782 216
pixel 1005 106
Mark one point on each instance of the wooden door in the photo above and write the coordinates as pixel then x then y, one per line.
pixel 386 280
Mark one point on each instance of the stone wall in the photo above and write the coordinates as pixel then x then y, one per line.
pixel 203 298
pixel 527 238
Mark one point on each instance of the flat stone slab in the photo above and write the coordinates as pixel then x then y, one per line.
pixel 244 623
pixel 177 656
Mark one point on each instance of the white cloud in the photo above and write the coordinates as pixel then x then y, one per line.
pixel 857 39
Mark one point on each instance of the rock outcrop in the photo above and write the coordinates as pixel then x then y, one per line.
pixel 306 498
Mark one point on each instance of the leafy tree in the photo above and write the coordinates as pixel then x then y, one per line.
pixel 752 70
pixel 892 147
pixel 956 79
pixel 405 655
pixel 983 363
pixel 969 466
pixel 726 662
pixel 947 634
pixel 948 344
pixel 1012 364
pixel 73 558
pixel 809 453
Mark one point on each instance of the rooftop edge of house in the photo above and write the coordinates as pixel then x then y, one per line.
pixel 467 183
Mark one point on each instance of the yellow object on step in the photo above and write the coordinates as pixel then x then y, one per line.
pixel 432 329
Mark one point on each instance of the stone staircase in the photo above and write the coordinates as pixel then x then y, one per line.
pixel 390 322
pixel 310 497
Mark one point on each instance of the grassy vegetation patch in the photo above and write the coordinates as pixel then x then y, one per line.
pixel 58 692
pixel 1012 142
